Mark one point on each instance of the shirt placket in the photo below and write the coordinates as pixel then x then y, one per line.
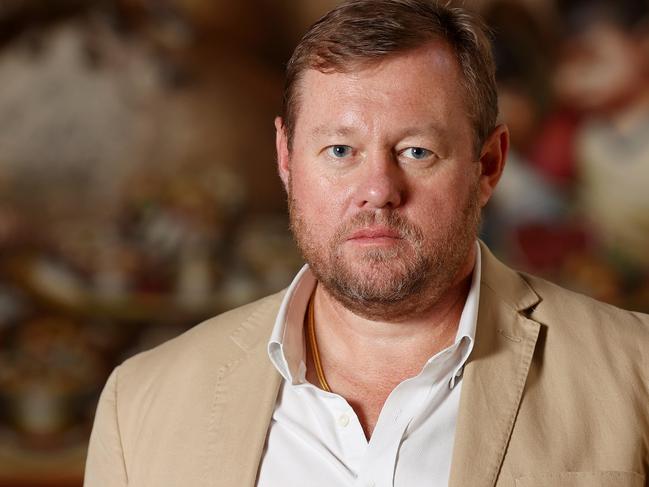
pixel 408 401
pixel 380 462
pixel 341 432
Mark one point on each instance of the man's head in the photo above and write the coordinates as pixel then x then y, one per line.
pixel 360 33
pixel 389 164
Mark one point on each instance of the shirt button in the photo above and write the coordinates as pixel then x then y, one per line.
pixel 343 420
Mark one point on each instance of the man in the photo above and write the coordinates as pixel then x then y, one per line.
pixel 404 354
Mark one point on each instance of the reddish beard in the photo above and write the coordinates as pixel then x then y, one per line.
pixel 388 283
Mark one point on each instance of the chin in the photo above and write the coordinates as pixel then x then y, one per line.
pixel 371 285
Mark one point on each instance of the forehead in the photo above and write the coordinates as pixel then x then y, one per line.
pixel 420 85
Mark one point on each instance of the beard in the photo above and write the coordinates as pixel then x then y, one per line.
pixel 395 283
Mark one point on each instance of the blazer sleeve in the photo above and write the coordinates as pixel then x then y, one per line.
pixel 105 464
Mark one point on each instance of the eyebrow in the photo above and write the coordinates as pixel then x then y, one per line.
pixel 326 130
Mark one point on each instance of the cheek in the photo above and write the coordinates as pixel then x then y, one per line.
pixel 322 196
pixel 317 202
pixel 444 194
pixel 445 204
pixel 431 211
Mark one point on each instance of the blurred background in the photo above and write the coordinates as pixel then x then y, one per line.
pixel 138 191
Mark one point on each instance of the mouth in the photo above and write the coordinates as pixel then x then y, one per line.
pixel 375 235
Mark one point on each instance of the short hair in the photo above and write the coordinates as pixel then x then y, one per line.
pixel 359 33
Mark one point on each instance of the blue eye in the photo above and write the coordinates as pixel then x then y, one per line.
pixel 340 151
pixel 417 153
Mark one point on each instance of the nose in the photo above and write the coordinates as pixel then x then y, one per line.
pixel 380 184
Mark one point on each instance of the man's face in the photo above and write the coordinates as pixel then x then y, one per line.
pixel 384 187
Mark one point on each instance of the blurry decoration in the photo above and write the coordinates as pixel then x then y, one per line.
pixel 136 149
pixel 546 247
pixel 195 288
pixel 48 373
pixel 11 226
pixel 590 274
pixel 53 280
pixel 523 51
pixel 614 168
pixel 302 14
pixel 571 204
pixel 521 111
pixel 181 31
pixel 552 152
pixel 139 195
pixel 220 127
pixel 603 74
pixel 526 198
pixel 265 246
pixel 581 15
pixel 13 306
pixel 69 135
pixel 20 16
pixel 177 228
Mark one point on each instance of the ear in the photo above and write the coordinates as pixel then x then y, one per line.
pixel 281 145
pixel 492 162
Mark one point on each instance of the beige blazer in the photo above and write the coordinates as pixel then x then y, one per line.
pixel 556 393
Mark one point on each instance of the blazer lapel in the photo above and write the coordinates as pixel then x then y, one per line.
pixel 246 392
pixel 495 376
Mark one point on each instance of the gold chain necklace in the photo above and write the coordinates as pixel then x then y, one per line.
pixel 314 346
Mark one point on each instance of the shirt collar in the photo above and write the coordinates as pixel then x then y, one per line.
pixel 286 344
pixel 469 318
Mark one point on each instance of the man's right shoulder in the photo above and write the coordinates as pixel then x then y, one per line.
pixel 207 346
pixel 156 417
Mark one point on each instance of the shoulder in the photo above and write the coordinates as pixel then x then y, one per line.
pixel 558 308
pixel 586 388
pixel 158 409
pixel 602 345
pixel 204 348
pixel 562 305
pixel 578 335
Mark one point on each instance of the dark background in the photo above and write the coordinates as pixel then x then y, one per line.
pixel 138 189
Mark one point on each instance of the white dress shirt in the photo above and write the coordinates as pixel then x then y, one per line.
pixel 315 438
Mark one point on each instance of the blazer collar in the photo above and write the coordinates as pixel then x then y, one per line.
pixel 495 376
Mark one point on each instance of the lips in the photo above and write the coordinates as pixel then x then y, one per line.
pixel 375 234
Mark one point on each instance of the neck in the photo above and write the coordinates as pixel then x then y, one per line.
pixel 363 360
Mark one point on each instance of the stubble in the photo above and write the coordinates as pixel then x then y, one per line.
pixel 395 283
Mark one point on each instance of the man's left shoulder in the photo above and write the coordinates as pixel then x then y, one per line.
pixel 565 314
pixel 578 327
pixel 586 313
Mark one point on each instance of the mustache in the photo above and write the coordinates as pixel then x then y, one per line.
pixel 392 220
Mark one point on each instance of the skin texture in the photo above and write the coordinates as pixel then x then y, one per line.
pixel 388 228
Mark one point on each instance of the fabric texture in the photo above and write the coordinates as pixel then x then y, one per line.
pixel 556 392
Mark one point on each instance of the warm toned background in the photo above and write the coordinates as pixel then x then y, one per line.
pixel 138 192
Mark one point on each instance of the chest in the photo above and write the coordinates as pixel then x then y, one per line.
pixel 322 434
